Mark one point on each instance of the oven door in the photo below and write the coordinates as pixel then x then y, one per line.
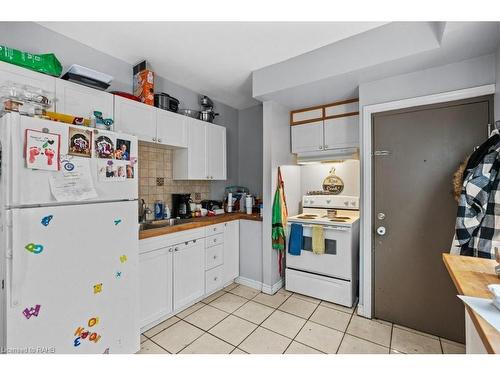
pixel 337 260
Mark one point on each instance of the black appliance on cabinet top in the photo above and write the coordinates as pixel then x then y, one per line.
pixel 181 206
pixel 167 102
pixel 211 204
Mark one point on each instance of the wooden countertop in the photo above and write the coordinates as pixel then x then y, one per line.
pixel 198 223
pixel 471 277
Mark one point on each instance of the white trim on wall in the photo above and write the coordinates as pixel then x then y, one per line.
pixel 366 304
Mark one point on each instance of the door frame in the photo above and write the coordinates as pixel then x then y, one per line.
pixel 366 288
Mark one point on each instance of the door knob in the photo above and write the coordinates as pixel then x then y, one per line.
pixel 381 216
pixel 381 231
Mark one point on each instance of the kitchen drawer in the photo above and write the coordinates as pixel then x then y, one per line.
pixel 213 279
pixel 214 240
pixel 215 229
pixel 214 256
pixel 326 288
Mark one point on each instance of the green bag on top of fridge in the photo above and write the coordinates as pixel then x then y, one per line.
pixel 46 63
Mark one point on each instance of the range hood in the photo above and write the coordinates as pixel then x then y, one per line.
pixel 328 156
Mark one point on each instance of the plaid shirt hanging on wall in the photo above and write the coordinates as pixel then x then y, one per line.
pixel 478 216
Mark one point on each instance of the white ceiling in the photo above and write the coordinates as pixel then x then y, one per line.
pixel 213 58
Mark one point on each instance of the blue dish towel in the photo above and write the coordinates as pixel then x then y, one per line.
pixel 295 244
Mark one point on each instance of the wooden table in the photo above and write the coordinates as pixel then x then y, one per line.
pixel 471 277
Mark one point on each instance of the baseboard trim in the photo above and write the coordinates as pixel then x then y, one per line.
pixel 271 289
pixel 249 282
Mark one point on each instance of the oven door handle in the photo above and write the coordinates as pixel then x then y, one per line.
pixel 327 227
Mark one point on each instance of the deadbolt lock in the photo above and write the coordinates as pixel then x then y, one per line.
pixel 381 231
pixel 381 216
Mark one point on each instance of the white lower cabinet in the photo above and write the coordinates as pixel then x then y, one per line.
pixel 179 269
pixel 189 267
pixel 213 279
pixel 155 270
pixel 231 251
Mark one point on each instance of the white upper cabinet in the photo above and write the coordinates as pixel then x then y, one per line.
pixel 205 156
pixel 81 101
pixel 22 76
pixel 342 132
pixel 216 152
pixel 197 150
pixel 171 128
pixel 307 137
pixel 332 126
pixel 135 118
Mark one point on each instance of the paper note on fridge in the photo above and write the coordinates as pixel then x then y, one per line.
pixel 485 308
pixel 73 182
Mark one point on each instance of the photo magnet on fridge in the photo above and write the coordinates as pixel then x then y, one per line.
pixel 122 151
pixel 80 142
pixel 42 150
pixel 111 170
pixel 104 147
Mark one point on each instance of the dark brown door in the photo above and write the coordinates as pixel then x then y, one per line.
pixel 413 202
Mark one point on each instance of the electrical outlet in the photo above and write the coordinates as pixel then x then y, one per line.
pixel 160 181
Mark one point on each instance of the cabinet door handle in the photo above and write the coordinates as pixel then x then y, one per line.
pixel 215 278
pixel 326 146
pixel 159 140
pixel 176 249
pixel 320 147
pixel 215 256
pixel 170 250
pixel 215 239
pixel 154 139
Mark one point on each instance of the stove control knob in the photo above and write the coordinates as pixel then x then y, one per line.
pixel 328 200
pixel 353 203
pixel 306 201
pixel 346 203
pixel 311 201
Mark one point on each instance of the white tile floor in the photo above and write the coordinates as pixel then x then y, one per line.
pixel 241 320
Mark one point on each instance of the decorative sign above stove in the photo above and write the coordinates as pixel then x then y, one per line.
pixel 333 183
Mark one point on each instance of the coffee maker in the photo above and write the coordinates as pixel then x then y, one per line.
pixel 181 206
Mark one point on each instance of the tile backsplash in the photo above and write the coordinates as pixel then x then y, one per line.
pixel 155 177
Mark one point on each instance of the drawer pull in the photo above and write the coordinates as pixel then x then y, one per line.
pixel 215 256
pixel 215 278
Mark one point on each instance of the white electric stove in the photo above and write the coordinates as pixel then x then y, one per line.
pixel 332 276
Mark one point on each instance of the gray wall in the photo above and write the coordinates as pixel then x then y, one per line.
pixel 497 92
pixel 250 149
pixel 29 36
pixel 464 74
pixel 276 152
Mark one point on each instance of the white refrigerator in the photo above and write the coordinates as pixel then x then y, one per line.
pixel 69 238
